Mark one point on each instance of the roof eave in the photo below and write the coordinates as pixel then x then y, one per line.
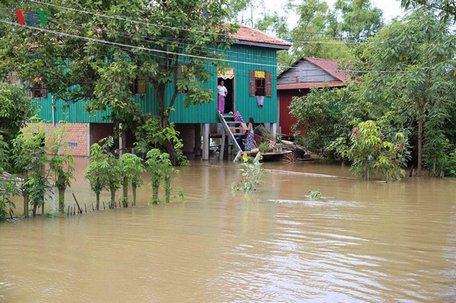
pixel 266 45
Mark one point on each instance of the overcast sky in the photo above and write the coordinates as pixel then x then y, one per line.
pixel 390 8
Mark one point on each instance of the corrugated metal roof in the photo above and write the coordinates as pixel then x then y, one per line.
pixel 330 66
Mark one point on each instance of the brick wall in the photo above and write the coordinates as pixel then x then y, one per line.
pixel 75 138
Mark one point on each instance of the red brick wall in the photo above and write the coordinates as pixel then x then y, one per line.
pixel 76 136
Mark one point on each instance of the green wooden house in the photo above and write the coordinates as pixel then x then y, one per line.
pixel 251 80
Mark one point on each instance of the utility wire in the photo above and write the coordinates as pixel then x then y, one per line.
pixel 123 18
pixel 58 33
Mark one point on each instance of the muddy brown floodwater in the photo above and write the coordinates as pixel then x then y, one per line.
pixel 366 242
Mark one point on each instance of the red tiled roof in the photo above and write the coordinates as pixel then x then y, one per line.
pixel 330 66
pixel 247 34
pixel 307 85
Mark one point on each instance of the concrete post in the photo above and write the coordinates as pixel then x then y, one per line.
pixel 121 140
pixel 274 129
pixel 206 130
pixel 198 140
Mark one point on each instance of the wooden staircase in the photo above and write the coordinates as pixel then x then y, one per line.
pixel 229 124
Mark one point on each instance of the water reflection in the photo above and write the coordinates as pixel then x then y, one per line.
pixel 366 242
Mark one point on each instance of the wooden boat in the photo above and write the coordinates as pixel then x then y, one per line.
pixel 267 157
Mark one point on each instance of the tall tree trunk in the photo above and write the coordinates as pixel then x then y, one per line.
pixel 155 187
pixel 164 121
pixel 171 150
pixel 26 204
pixel 161 104
pixel 167 188
pixel 61 200
pixel 113 196
pixel 35 207
pixel 421 107
pixel 125 192
pixel 133 189
pixel 98 200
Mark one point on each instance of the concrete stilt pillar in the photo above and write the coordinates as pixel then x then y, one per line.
pixel 197 140
pixel 89 138
pixel 274 129
pixel 206 130
pixel 122 143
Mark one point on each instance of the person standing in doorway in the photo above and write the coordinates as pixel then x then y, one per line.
pixel 221 95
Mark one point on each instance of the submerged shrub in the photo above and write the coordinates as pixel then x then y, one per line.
pixel 369 153
pixel 160 168
pixel 251 173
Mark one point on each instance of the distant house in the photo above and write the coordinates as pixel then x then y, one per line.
pixel 250 77
pixel 297 81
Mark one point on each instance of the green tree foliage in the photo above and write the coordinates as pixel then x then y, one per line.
pixel 104 171
pixel 76 69
pixel 61 166
pixel 406 85
pixel 98 170
pixel 359 20
pixel 411 74
pixel 320 29
pixel 131 169
pixel 15 109
pixel 251 173
pixel 369 152
pixel 446 8
pixel 29 158
pixel 327 117
pixel 160 168
pixel 312 36
pixel 8 189
pixel 152 135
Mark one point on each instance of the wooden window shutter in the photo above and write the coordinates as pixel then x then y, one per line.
pixel 268 84
pixel 252 85
pixel 43 91
pixel 141 85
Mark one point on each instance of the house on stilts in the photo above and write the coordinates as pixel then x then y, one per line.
pixel 250 77
pixel 297 81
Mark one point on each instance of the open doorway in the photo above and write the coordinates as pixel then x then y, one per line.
pixel 227 76
pixel 229 100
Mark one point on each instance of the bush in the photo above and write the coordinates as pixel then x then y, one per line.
pixel 251 173
pixel 265 147
pixel 369 153
pixel 451 167
pixel 8 189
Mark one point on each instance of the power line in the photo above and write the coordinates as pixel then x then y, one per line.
pixel 168 52
pixel 133 46
pixel 123 18
pixel 162 39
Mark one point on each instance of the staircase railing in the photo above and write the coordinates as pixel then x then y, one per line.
pixel 228 131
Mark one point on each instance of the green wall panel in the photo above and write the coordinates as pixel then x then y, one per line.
pixel 255 57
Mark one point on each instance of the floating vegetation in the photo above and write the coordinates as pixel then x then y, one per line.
pixel 314 195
